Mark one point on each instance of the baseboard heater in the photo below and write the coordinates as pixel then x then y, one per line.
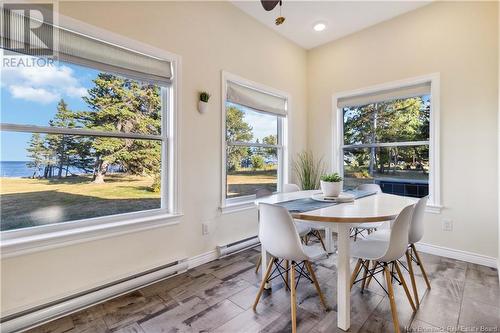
pixel 225 250
pixel 24 320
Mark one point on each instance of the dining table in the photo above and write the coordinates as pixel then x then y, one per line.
pixel 340 218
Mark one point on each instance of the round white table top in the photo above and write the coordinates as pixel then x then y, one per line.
pixel 374 208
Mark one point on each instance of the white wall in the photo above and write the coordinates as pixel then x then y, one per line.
pixel 460 41
pixel 209 37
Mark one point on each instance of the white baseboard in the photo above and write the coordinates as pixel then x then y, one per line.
pixel 471 257
pixel 203 258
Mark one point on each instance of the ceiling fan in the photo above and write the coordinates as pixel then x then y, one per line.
pixel 270 5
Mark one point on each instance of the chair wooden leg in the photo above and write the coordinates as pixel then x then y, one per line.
pixel 293 299
pixel 263 283
pixel 258 264
pixel 287 267
pixel 421 264
pixel 355 272
pixel 316 284
pixel 405 287
pixel 394 310
pixel 412 277
pixel 368 280
pixel 318 235
pixel 365 273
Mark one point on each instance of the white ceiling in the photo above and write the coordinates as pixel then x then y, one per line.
pixel 341 17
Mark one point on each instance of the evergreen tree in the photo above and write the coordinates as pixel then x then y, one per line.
pixel 237 130
pixel 36 151
pixel 128 106
pixel 63 146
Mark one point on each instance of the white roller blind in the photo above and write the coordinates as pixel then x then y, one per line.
pixel 255 99
pixel 74 47
pixel 385 95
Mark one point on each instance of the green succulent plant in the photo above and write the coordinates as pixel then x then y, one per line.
pixel 332 178
pixel 204 96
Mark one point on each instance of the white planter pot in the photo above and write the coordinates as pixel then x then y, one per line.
pixel 202 106
pixel 331 189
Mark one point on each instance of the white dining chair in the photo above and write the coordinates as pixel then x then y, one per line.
pixel 303 229
pixel 315 231
pixel 371 226
pixel 279 237
pixel 415 235
pixel 385 254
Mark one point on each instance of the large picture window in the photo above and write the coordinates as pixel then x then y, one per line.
pixel 254 142
pixel 386 138
pixel 85 139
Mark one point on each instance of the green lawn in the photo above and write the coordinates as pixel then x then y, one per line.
pixel 31 202
pixel 246 182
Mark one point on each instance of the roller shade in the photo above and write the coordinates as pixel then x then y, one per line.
pixel 81 49
pixel 385 95
pixel 255 99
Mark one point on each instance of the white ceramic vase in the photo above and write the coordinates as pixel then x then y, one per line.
pixel 202 106
pixel 331 189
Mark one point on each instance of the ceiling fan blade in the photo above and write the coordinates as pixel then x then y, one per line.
pixel 269 4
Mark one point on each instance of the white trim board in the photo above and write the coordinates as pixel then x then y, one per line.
pixel 202 258
pixel 447 252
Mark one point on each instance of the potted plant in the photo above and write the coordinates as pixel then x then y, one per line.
pixel 203 102
pixel 331 185
pixel 308 170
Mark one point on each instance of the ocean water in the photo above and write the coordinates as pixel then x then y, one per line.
pixel 21 169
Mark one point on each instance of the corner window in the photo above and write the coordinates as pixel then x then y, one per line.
pixel 84 140
pixel 388 137
pixel 254 136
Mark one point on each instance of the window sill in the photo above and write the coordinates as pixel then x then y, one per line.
pixel 238 206
pixel 15 246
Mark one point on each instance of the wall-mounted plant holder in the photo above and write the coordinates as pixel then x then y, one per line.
pixel 203 102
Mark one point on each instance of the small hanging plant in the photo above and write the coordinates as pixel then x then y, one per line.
pixel 204 96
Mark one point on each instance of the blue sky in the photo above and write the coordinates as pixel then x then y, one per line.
pixel 30 96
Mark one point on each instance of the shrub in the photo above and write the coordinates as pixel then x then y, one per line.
pixel 257 162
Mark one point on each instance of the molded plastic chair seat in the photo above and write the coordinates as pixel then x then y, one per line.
pixel 380 235
pixel 370 225
pixel 302 229
pixel 370 249
pixel 314 252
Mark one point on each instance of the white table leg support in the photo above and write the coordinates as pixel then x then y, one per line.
pixel 329 240
pixel 343 278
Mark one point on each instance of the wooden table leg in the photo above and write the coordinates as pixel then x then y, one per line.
pixel 265 257
pixel 343 278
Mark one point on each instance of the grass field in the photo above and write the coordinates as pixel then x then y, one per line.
pixel 31 202
pixel 246 182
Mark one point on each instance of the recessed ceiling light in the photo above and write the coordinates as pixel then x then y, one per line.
pixel 320 26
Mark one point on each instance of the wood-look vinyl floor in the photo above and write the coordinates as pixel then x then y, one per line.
pixel 217 297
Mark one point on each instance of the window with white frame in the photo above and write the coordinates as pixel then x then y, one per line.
pixel 388 137
pixel 254 137
pixel 85 139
